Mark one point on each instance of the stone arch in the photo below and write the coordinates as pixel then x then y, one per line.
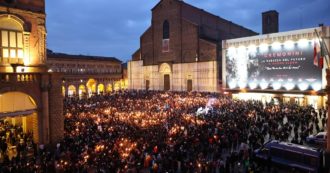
pixel 72 91
pixel 165 72
pixel 123 84
pixel 82 90
pixel 100 88
pixel 33 93
pixel 165 68
pixel 12 22
pixel 116 86
pixel 19 102
pixel 20 109
pixel 91 86
pixel 109 88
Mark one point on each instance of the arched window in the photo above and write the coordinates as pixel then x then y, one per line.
pixel 166 37
pixel 11 44
pixel 166 30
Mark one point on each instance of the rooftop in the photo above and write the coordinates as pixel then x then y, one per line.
pixel 206 13
pixel 54 55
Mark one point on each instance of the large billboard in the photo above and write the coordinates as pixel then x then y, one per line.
pixel 287 66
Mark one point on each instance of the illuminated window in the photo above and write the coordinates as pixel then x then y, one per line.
pixel 11 44
pixel 12 53
pixel 20 53
pixel 11 41
pixel 5 53
pixel 4 36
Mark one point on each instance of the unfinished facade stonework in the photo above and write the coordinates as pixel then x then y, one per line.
pixel 187 41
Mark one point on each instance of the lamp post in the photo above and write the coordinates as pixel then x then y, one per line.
pixel 14 66
pixel 326 57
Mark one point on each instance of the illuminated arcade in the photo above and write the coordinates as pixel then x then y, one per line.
pixel 85 76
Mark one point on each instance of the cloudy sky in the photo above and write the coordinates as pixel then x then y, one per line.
pixel 113 27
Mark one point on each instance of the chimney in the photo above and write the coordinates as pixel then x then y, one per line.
pixel 270 22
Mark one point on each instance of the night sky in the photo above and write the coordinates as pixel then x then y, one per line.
pixel 113 27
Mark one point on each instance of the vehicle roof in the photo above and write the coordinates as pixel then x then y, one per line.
pixel 322 133
pixel 294 147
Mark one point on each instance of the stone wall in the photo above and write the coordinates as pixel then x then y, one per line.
pixel 190 31
pixel 195 38
pixel 203 75
pixel 56 117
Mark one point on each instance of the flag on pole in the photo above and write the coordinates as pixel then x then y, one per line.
pixel 318 54
pixel 166 45
pixel 315 54
pixel 322 55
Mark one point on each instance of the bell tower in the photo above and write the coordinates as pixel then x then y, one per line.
pixel 270 22
pixel 23 71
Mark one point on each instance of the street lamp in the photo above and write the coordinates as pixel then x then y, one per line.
pixel 326 58
pixel 14 66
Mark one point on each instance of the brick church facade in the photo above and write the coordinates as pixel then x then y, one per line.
pixel 181 50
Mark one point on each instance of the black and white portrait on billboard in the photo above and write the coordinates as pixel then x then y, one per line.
pixel 276 65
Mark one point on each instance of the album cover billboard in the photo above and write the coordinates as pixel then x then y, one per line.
pixel 269 65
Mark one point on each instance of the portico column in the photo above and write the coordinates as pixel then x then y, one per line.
pixel 66 94
pixel 44 117
pixel 76 94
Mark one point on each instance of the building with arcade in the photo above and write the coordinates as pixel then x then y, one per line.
pixel 280 67
pixel 30 96
pixel 181 50
pixel 85 76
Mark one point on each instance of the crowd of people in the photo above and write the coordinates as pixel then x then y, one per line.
pixel 152 131
pixel 15 147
